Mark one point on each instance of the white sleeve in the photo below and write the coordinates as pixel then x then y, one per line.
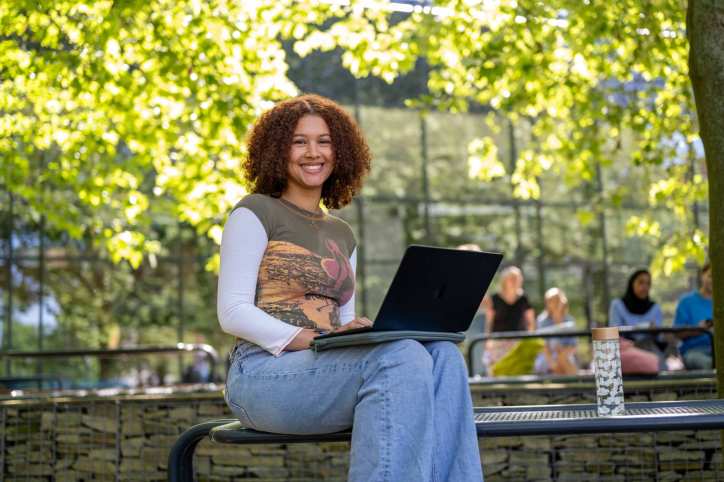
pixel 242 248
pixel 346 311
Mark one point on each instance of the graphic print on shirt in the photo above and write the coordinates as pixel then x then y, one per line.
pixel 303 288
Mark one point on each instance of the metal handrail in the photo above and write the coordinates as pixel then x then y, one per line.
pixel 548 333
pixel 7 382
pixel 211 354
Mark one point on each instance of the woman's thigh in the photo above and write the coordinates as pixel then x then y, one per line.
pixel 299 391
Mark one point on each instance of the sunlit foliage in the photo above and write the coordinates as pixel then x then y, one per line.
pixel 595 81
pixel 117 115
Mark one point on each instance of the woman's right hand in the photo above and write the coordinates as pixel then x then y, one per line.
pixel 303 340
pixel 360 322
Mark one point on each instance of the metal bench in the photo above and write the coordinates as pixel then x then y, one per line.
pixel 490 422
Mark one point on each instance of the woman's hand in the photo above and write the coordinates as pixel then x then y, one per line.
pixel 360 322
pixel 302 340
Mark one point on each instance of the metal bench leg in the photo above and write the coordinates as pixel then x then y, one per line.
pixel 181 456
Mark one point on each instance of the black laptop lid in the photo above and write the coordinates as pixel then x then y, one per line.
pixel 437 289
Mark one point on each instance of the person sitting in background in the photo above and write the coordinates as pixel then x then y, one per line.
pixel 639 352
pixel 509 310
pixel 695 309
pixel 559 354
pixel 635 308
pixel 477 326
pixel 199 371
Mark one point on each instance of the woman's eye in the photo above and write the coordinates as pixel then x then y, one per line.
pixel 299 141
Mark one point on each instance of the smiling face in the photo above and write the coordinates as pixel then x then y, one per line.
pixel 311 155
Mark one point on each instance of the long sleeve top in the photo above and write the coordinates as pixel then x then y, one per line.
pixel 284 269
pixel 618 315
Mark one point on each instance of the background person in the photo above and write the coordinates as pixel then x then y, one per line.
pixel 635 307
pixel 477 326
pixel 510 310
pixel 640 353
pixel 695 309
pixel 288 272
pixel 559 354
pixel 199 371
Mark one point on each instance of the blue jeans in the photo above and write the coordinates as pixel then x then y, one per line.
pixel 408 405
pixel 698 358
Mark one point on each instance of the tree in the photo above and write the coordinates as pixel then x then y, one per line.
pixel 121 119
pixel 118 115
pixel 705 28
pixel 594 83
pixel 589 79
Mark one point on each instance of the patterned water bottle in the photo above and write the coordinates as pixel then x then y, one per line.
pixel 607 368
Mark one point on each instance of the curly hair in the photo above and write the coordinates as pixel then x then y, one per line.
pixel 266 165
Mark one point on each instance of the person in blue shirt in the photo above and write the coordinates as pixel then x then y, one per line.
pixel 636 308
pixel 695 309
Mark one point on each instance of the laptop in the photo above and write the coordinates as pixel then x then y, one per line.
pixel 433 296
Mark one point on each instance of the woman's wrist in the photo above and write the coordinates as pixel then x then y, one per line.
pixel 303 340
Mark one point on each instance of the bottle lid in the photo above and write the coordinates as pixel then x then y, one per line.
pixel 608 333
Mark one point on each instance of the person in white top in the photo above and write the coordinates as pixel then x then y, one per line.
pixel 287 273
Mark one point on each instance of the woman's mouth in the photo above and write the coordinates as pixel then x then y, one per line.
pixel 312 168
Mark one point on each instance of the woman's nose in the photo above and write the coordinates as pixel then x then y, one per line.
pixel 312 150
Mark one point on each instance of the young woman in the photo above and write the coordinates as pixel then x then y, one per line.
pixel 287 273
pixel 510 310
pixel 640 353
pixel 635 307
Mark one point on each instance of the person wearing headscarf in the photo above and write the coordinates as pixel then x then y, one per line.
pixel 640 353
pixel 636 308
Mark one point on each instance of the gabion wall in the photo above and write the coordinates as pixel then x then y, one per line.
pixel 126 437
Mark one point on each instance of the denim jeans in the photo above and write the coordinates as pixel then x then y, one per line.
pixel 408 405
pixel 698 358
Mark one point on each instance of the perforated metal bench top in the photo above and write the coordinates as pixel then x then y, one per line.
pixel 563 419
pixel 539 420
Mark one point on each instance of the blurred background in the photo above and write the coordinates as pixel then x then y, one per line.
pixel 124 130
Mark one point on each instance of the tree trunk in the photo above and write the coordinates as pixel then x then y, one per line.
pixel 705 30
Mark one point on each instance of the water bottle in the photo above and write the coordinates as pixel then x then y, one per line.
pixel 607 369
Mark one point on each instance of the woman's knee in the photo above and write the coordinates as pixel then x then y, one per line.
pixel 406 354
pixel 443 350
pixel 448 361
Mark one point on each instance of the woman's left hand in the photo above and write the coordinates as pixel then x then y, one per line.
pixel 360 322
